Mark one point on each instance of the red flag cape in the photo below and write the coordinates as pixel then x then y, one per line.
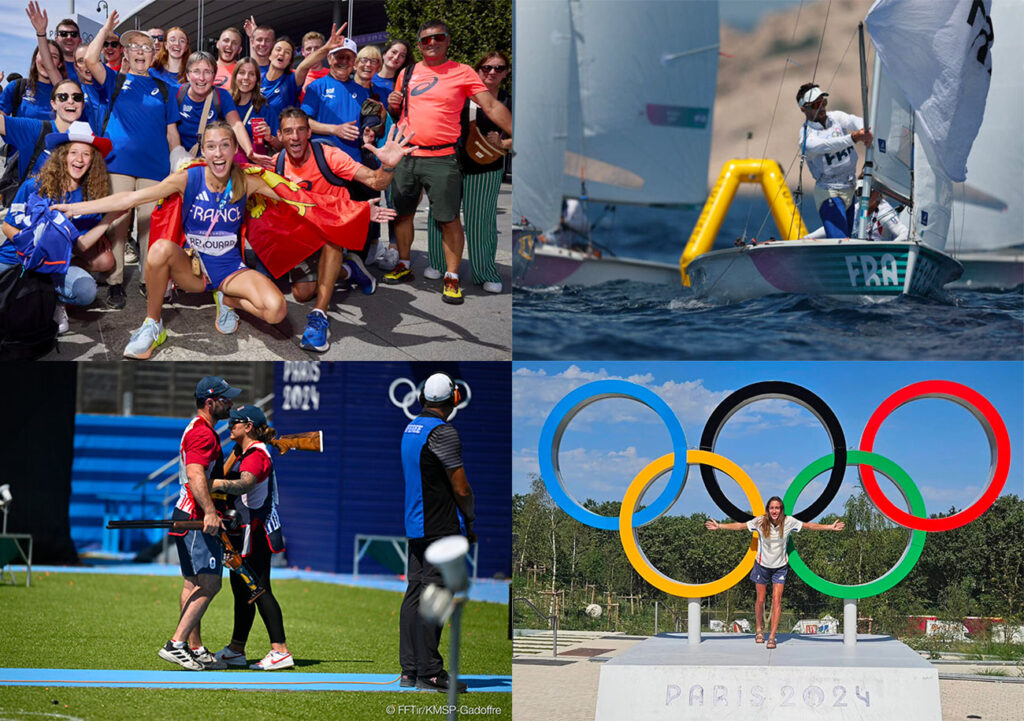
pixel 283 233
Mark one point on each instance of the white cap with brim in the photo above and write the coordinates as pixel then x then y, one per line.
pixel 437 387
pixel 349 44
pixel 133 35
pixel 810 96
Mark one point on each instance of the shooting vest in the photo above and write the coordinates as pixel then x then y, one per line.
pixel 430 509
pixel 258 508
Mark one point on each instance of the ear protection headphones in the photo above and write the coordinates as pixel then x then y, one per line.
pixel 453 392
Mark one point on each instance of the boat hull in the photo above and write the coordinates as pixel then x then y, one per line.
pixel 539 264
pixel 822 267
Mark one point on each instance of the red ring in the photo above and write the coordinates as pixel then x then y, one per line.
pixel 979 406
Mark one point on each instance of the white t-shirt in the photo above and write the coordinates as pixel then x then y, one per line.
pixel 831 153
pixel 771 551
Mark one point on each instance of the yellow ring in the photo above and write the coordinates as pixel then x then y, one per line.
pixel 627 533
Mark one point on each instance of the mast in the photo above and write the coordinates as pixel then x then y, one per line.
pixel 865 196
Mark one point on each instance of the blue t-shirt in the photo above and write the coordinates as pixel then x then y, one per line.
pixel 265 112
pixel 190 110
pixel 168 77
pixel 281 93
pixel 386 83
pixel 331 101
pixel 138 126
pixel 70 71
pixel 16 217
pixel 33 104
pixel 95 106
pixel 22 134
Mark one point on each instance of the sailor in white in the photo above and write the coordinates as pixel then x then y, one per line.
pixel 827 140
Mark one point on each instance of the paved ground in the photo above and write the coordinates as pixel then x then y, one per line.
pixel 404 322
pixel 544 691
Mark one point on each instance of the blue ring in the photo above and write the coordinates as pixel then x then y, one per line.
pixel 551 439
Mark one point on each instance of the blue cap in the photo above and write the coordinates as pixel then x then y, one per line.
pixel 215 387
pixel 250 414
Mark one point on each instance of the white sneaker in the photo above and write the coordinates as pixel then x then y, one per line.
pixel 492 286
pixel 389 259
pixel 60 314
pixel 227 318
pixel 180 655
pixel 432 273
pixel 145 339
pixel 209 661
pixel 230 657
pixel 273 661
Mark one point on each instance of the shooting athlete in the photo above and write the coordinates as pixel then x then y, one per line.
pixel 438 502
pixel 252 485
pixel 199 552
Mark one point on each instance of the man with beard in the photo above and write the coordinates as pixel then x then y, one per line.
pixel 200 553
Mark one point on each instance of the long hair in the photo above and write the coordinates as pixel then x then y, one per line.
pixel 256 96
pixel 33 71
pixel 53 179
pixel 263 433
pixel 237 176
pixel 160 61
pixel 291 44
pixel 766 520
pixel 410 59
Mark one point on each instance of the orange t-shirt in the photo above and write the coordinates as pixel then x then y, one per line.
pixel 307 176
pixel 436 97
pixel 223 77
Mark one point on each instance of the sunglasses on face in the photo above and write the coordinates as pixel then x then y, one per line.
pixel 158 38
pixel 111 43
pixel 493 68
pixel 67 33
pixel 435 38
pixel 77 97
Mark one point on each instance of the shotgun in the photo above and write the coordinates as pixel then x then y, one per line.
pixel 308 441
pixel 232 559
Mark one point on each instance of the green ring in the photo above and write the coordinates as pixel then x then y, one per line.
pixel 914 548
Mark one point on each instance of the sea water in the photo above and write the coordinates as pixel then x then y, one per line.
pixel 623 319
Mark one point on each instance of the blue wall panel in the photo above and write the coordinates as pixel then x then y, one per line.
pixel 355 486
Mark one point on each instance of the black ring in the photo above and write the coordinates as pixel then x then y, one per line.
pixel 784 391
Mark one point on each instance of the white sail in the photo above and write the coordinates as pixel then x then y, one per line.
pixel 938 52
pixel 894 136
pixel 988 212
pixel 641 96
pixel 542 44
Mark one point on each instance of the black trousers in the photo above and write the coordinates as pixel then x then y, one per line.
pixel 419 638
pixel 258 561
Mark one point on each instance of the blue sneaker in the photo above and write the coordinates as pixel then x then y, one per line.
pixel 318 328
pixel 358 274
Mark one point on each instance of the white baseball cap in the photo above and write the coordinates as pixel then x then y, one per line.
pixel 349 44
pixel 810 96
pixel 438 387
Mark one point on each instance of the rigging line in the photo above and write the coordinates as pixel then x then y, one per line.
pixel 832 81
pixel 792 217
pixel 821 43
pixel 782 82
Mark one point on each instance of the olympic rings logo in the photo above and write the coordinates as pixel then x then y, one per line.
pixel 413 394
pixel 834 463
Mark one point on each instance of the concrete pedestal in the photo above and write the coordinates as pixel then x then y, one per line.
pixel 728 676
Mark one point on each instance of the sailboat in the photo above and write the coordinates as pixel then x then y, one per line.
pixel 910 167
pixel 613 105
pixel 987 230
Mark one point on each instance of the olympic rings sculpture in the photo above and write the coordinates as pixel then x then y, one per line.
pixel 835 463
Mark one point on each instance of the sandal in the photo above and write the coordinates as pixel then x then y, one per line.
pixel 771 642
pixel 759 637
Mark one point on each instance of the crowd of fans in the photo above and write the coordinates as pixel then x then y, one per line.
pixel 97 135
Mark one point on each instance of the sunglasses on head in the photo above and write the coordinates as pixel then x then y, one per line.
pixel 493 68
pixel 77 97
pixel 435 38
pixel 67 33
pixel 111 43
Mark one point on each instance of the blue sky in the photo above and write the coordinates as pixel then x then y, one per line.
pixel 937 442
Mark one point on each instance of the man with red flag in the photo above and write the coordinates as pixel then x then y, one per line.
pixel 196 238
pixel 322 169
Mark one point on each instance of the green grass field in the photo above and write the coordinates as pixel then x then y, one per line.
pixel 68 620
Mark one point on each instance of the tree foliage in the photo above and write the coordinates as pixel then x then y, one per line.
pixel 476 27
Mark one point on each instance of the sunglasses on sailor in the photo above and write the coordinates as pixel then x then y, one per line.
pixel 434 38
pixel 493 68
pixel 67 33
pixel 77 97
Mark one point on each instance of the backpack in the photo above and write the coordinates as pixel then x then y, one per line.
pixel 182 89
pixel 27 304
pixel 118 84
pixel 12 179
pixel 321 165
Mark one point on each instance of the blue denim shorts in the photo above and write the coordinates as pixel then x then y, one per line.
pixel 760 574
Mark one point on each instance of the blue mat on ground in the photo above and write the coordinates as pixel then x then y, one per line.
pixel 238 680
pixel 483 589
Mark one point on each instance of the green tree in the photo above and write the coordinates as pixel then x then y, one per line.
pixel 476 27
